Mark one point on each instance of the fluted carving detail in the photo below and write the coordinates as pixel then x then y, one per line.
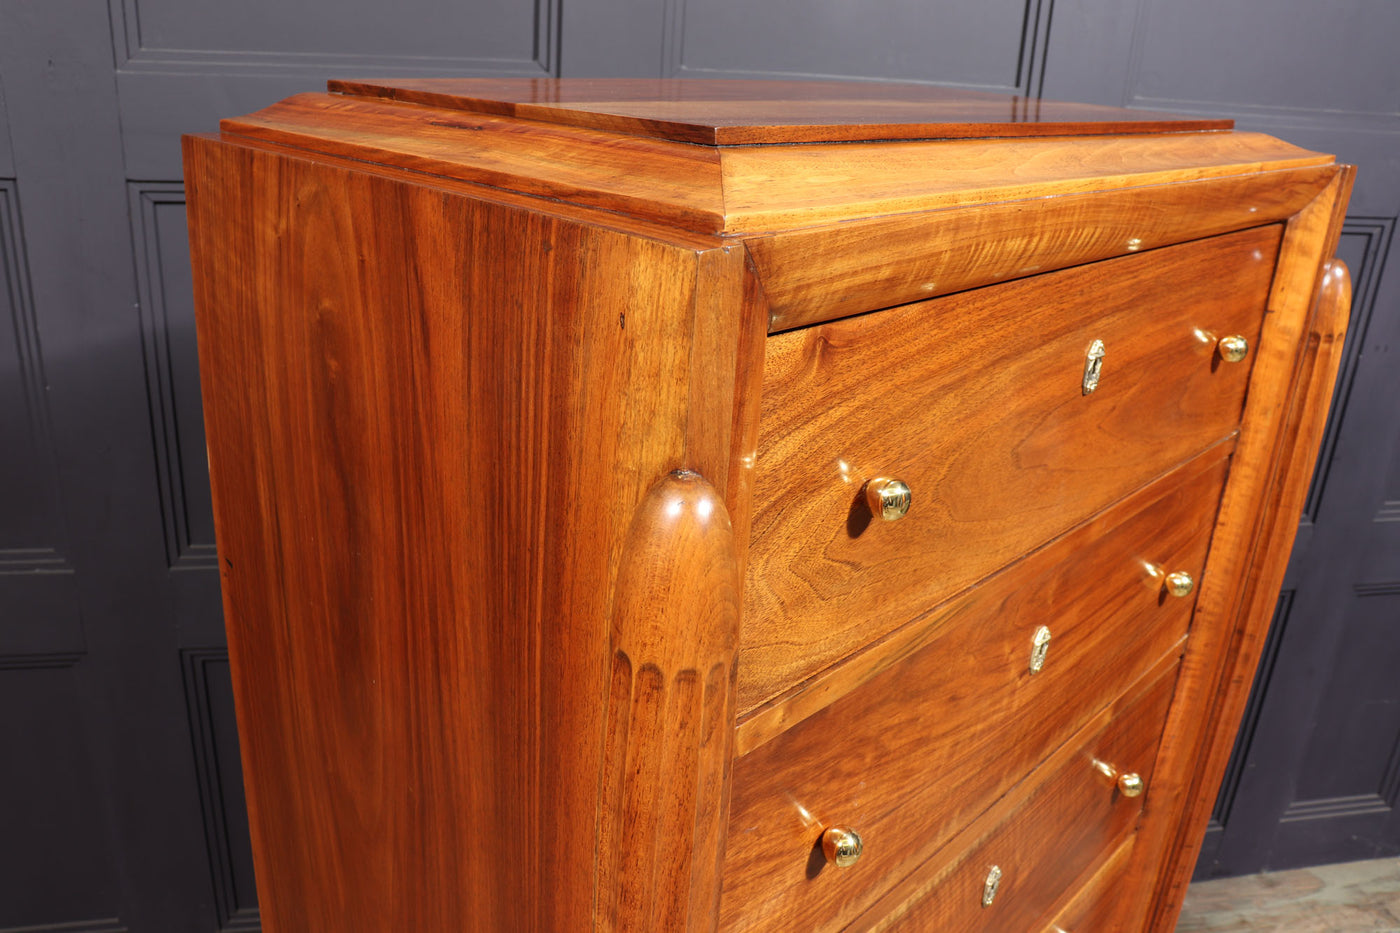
pixel 669 739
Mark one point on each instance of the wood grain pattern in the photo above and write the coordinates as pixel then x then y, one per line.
pixel 680 184
pixel 953 721
pixel 737 112
pixel 748 189
pixel 669 737
pixel 984 418
pixel 822 273
pixel 1144 540
pixel 493 418
pixel 1042 839
pixel 1282 426
pixel 425 483
pixel 769 188
pixel 1095 905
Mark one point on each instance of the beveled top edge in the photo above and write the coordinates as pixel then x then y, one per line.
pixel 721 112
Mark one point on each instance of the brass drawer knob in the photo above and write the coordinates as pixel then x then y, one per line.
pixel 1180 583
pixel 1131 784
pixel 1233 348
pixel 888 498
pixel 842 847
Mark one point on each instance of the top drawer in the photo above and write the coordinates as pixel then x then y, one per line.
pixel 977 402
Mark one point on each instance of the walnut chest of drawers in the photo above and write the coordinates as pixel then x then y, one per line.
pixel 748 506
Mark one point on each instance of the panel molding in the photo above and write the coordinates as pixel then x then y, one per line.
pixel 1332 808
pixel 104 925
pixel 24 321
pixel 134 56
pixel 182 552
pixel 1377 233
pixel 14 276
pixel 28 560
pixel 1313 117
pixel 1382 588
pixel 232 917
pixel 1303 118
pixel 1249 724
pixel 39 661
pixel 1390 782
pixel 1327 119
pixel 1387 795
pixel 1030 59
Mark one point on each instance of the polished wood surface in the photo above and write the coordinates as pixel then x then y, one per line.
pixel 1150 541
pixel 1284 420
pixel 1095 905
pixel 668 743
pixel 438 532
pixel 680 185
pixel 770 188
pixel 907 761
pixel 984 418
pixel 737 112
pixel 748 189
pixel 546 587
pixel 822 273
pixel 1043 838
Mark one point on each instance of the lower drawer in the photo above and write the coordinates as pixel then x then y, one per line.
pixel 1011 869
pixel 1100 904
pixel 956 719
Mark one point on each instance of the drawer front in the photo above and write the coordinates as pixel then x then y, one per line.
pixel 977 402
pixel 934 738
pixel 1075 815
pixel 1097 904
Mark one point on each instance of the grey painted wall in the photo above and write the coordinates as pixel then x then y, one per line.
pixel 123 806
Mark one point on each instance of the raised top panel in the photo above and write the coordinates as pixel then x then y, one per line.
pixel 726 113
pixel 629 149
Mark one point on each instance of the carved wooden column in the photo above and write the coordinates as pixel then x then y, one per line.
pixel 675 629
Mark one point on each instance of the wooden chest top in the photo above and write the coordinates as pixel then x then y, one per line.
pixel 630 148
pixel 730 112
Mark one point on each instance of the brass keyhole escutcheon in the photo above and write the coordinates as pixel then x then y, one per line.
pixel 990 886
pixel 1093 366
pixel 1040 647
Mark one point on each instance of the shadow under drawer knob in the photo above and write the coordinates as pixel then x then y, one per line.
pixel 1180 583
pixel 842 847
pixel 1233 348
pixel 888 498
pixel 1131 785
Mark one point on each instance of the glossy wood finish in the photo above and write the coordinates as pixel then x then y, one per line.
pixel 1146 550
pixel 749 189
pixel 985 419
pixel 907 758
pixel 1300 351
pixel 494 417
pixel 437 537
pixel 770 188
pixel 1096 906
pixel 669 741
pixel 730 112
pixel 1042 839
pixel 822 273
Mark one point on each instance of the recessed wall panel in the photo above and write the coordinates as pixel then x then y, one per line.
pixel 1258 53
pixel 973 44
